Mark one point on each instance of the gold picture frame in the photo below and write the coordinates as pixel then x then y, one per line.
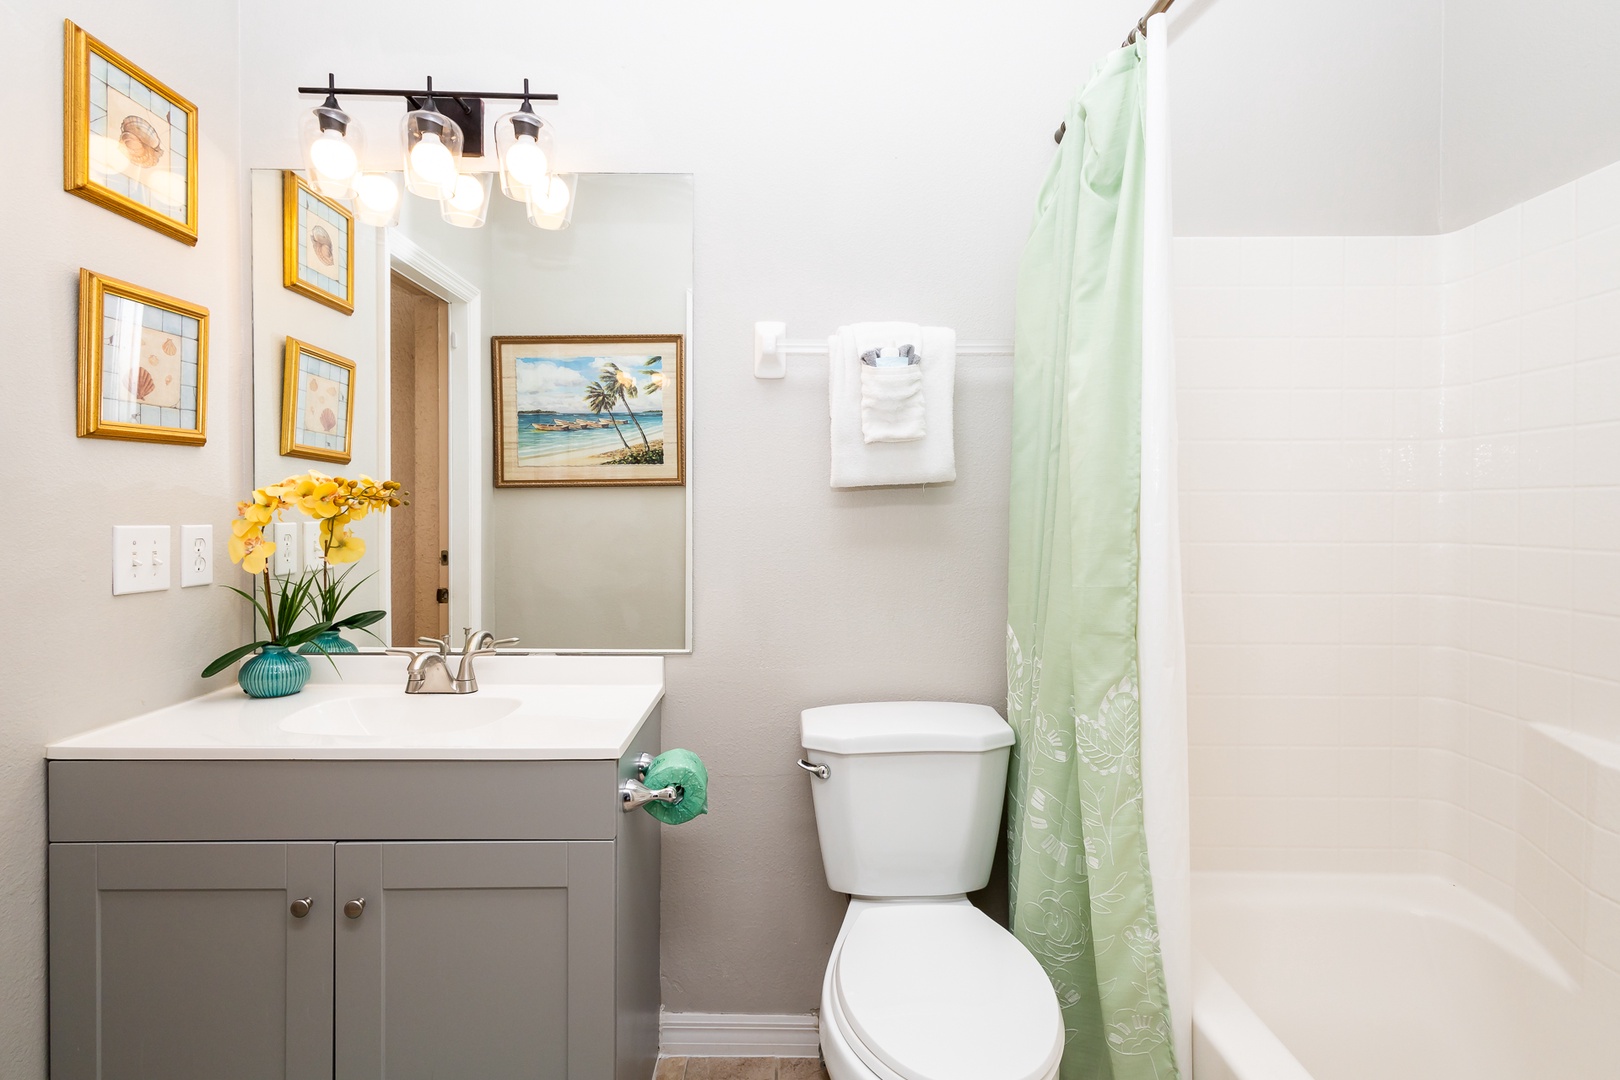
pixel 317 403
pixel 317 236
pixel 129 141
pixel 143 364
pixel 551 431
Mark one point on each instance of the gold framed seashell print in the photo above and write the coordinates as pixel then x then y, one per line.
pixel 130 142
pixel 317 404
pixel 317 237
pixel 143 364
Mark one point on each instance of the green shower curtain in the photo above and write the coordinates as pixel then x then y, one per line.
pixel 1081 894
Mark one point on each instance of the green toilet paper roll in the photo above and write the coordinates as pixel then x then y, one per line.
pixel 685 770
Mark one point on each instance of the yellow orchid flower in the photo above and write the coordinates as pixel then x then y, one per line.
pixel 345 548
pixel 251 551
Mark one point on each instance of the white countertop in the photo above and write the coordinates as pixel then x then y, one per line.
pixel 528 707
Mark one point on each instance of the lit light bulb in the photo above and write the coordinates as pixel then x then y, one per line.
pixel 333 158
pixel 378 199
pixel 553 199
pixel 525 163
pixel 468 195
pixel 432 162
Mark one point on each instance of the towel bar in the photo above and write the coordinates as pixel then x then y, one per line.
pixel 772 348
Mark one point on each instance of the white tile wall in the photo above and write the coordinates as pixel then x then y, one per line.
pixel 1401 519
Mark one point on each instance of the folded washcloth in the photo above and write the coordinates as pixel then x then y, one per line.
pixel 929 457
pixel 892 400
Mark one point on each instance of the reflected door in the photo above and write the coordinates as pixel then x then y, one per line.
pixel 419 395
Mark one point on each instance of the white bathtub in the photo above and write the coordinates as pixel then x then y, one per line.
pixel 1382 977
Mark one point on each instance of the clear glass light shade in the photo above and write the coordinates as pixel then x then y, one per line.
pixel 527 153
pixel 468 204
pixel 331 145
pixel 551 206
pixel 432 153
pixel 377 200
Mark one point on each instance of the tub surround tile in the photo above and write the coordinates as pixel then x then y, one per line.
pixel 1401 542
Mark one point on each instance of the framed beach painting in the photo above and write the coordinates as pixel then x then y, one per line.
pixel 589 410
pixel 143 364
pixel 317 404
pixel 317 239
pixel 130 141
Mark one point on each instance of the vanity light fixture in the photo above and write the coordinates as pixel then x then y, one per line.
pixel 525 147
pixel 331 148
pixel 432 149
pixel 439 130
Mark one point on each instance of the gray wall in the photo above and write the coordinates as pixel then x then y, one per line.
pixel 1532 100
pixel 77 656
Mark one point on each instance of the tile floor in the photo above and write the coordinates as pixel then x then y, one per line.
pixel 674 1068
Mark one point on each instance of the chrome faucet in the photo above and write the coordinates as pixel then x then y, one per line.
pixel 429 669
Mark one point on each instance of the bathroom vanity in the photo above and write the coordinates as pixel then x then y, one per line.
pixel 355 884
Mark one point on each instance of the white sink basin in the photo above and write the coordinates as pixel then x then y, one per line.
pixel 400 716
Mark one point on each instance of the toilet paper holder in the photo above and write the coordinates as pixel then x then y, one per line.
pixel 633 794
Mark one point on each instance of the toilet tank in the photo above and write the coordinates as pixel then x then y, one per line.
pixel 911 801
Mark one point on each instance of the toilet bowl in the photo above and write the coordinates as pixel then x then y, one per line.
pixel 921 985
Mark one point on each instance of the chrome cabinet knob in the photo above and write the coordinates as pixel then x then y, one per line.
pixel 301 906
pixel 354 907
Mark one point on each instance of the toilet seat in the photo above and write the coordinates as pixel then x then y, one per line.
pixel 938 991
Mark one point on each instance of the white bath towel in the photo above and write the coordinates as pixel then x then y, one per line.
pixel 928 460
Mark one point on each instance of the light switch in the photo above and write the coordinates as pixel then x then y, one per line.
pixel 196 555
pixel 286 561
pixel 140 558
pixel 313 555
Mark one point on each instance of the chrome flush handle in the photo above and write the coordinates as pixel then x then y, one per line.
pixel 820 771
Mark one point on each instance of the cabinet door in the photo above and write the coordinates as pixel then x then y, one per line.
pixel 186 962
pixel 487 960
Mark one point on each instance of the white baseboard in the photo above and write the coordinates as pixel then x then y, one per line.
pixel 687 1034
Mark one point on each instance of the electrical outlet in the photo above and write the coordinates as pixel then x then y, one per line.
pixel 286 561
pixel 196 555
pixel 314 554
pixel 140 558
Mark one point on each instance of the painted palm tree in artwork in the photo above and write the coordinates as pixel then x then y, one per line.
pixel 653 371
pixel 626 384
pixel 600 397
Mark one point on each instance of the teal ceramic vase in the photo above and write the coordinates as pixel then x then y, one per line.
pixel 273 672
pixel 330 643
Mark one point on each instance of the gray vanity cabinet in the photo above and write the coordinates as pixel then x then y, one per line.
pixel 183 961
pixel 503 925
pixel 475 960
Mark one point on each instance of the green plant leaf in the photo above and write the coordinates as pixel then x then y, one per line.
pixel 308 633
pixel 231 657
pixel 360 620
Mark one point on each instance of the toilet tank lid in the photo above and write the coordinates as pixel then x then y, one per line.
pixel 898 727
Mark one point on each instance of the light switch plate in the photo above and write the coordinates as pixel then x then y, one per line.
pixel 286 561
pixel 312 545
pixel 196 555
pixel 141 555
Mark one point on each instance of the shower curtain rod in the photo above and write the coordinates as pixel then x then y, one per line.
pixel 1139 30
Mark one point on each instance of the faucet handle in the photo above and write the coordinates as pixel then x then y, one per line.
pixel 441 644
pixel 504 642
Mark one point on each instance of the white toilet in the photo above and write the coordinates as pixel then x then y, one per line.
pixel 921 985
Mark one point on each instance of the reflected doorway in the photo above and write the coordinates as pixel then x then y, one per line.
pixel 419 418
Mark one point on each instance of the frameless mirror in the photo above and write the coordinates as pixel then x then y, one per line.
pixel 526 385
